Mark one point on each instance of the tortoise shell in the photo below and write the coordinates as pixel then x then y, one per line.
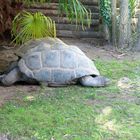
pixel 56 62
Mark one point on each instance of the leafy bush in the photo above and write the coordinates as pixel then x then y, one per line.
pixel 28 26
pixel 132 7
pixel 105 11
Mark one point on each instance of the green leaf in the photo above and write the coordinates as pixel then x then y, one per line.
pixel 28 26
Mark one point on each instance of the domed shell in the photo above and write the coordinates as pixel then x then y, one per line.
pixel 58 64
pixel 34 44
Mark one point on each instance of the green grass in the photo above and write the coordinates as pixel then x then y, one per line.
pixel 78 113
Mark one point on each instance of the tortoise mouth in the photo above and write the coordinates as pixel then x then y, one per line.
pixel 107 81
pixel 104 80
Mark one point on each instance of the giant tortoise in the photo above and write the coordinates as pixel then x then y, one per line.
pixel 54 63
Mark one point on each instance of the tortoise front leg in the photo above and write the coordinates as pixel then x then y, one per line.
pixel 12 77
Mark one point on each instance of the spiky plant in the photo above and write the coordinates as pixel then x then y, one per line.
pixel 28 26
pixel 73 9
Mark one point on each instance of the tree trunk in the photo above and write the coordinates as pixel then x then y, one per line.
pixel 106 33
pixel 123 27
pixel 130 39
pixel 138 31
pixel 113 22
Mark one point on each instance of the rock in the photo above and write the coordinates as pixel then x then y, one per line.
pixel 125 83
pixel 6 58
pixel 4 137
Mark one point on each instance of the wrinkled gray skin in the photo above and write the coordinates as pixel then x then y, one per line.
pixel 53 63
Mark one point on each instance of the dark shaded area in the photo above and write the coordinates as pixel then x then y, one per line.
pixel 8 10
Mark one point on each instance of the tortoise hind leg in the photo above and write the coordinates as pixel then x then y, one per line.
pixel 12 77
pixel 98 81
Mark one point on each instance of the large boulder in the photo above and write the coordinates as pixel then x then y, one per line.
pixel 6 58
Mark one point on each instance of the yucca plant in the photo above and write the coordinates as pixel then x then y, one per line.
pixel 28 26
pixel 75 10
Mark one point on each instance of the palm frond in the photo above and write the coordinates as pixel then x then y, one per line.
pixel 28 26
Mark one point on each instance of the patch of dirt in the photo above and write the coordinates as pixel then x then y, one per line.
pixel 110 98
pixel 104 51
pixel 10 93
pixel 126 95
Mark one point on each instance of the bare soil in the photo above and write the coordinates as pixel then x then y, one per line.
pixel 92 49
pixel 95 49
pixel 16 91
